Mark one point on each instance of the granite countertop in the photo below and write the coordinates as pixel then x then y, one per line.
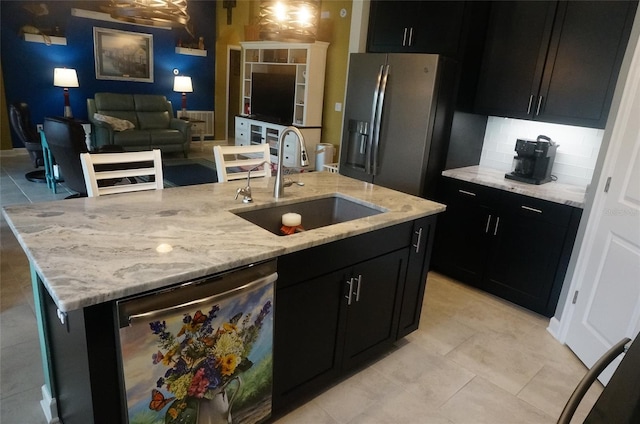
pixel 552 191
pixel 92 250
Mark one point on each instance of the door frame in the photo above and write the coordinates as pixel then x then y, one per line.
pixel 230 48
pixel 595 197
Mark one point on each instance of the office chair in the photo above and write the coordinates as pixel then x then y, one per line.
pixel 20 118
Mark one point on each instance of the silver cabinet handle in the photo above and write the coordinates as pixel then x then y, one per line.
pixel 495 231
pixel 531 97
pixel 468 193
pixel 486 228
pixel 538 107
pixel 411 36
pixel 348 296
pixel 530 209
pixel 404 37
pixel 358 288
pixel 417 245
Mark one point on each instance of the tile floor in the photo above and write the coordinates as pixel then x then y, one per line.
pixel 475 358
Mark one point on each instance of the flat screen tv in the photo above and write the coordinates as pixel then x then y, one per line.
pixel 272 97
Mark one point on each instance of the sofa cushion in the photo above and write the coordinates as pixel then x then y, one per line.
pixel 136 137
pixel 119 106
pixel 152 111
pixel 164 137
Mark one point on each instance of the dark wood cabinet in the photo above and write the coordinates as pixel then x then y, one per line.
pixel 513 246
pixel 415 27
pixel 417 269
pixel 337 306
pixel 340 305
pixel 553 61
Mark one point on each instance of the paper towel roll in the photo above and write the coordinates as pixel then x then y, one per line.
pixel 324 155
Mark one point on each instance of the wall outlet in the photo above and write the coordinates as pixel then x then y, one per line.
pixel 39 127
pixel 338 107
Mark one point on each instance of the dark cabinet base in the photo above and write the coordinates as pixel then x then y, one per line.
pixel 340 305
pixel 336 307
pixel 510 245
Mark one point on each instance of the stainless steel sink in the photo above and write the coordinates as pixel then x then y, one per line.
pixel 315 213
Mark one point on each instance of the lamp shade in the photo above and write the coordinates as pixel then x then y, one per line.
pixel 182 84
pixel 65 77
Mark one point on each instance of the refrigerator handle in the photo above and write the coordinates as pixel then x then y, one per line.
pixel 378 121
pixel 374 108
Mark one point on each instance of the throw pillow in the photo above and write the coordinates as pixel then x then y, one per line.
pixel 116 123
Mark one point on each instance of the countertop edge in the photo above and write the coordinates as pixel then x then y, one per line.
pixel 71 282
pixel 564 194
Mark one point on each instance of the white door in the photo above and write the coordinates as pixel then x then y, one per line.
pixel 608 269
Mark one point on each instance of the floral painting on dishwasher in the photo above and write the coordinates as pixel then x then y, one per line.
pixel 208 362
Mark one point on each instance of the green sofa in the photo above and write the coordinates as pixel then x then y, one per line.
pixel 154 126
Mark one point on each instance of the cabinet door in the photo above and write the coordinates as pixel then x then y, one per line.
pixel 389 25
pixel 415 26
pixel 513 62
pixel 416 280
pixel 529 242
pixel 588 44
pixel 372 306
pixel 460 249
pixel 306 331
pixel 524 260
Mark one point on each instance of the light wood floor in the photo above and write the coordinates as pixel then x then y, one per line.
pixel 475 358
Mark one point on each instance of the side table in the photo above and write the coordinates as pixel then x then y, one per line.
pixel 198 127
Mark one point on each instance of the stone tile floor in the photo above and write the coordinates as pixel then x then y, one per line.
pixel 475 358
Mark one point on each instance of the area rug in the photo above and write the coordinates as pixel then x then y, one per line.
pixel 183 172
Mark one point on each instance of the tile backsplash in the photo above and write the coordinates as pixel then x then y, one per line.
pixel 577 147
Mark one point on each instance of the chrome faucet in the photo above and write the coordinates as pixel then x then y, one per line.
pixel 246 191
pixel 278 189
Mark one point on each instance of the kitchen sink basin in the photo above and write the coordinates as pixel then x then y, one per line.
pixel 315 213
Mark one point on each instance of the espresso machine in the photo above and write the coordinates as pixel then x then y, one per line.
pixel 533 161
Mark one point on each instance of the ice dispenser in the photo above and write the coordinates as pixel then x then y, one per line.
pixel 358 140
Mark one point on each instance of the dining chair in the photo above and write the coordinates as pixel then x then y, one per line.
pixel 235 162
pixel 66 141
pixel 145 168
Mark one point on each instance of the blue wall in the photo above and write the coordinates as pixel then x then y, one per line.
pixel 28 67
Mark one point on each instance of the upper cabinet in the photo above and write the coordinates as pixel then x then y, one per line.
pixel 415 27
pixel 553 61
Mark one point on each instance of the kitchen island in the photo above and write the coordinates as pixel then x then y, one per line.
pixel 87 253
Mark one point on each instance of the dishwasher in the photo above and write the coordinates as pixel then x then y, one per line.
pixel 200 352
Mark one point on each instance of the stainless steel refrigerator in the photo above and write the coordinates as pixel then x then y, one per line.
pixel 397 120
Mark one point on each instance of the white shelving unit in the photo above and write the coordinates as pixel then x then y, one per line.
pixel 305 60
pixel 252 131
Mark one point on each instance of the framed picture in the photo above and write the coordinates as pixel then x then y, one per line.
pixel 122 55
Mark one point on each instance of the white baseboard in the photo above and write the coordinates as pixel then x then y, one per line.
pixel 554 329
pixel 16 151
pixel 49 406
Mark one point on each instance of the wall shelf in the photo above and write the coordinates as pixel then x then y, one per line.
pixel 191 52
pixel 39 38
pixel 99 16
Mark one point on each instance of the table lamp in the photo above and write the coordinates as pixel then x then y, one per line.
pixel 183 85
pixel 65 77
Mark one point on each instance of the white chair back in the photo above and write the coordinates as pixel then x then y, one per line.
pixel 234 162
pixel 122 168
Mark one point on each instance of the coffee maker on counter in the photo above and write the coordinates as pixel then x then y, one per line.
pixel 533 161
